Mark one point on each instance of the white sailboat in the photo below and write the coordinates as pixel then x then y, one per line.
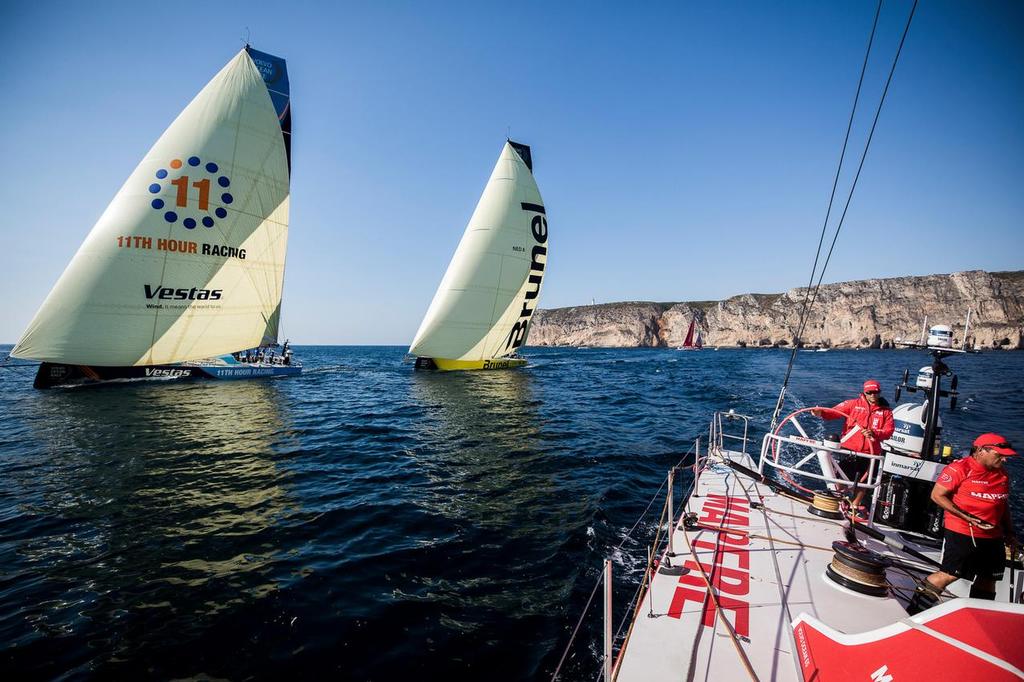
pixel 184 270
pixel 481 313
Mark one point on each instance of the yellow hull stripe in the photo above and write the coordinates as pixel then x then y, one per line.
pixel 495 363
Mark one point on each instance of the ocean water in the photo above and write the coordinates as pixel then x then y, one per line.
pixel 366 521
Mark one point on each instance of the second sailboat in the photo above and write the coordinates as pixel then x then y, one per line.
pixel 481 313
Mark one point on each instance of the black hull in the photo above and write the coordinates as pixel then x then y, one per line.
pixel 52 374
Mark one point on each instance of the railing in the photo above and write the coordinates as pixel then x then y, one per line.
pixel 821 457
pixel 718 436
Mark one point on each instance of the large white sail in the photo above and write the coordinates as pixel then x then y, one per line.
pixel 483 307
pixel 187 261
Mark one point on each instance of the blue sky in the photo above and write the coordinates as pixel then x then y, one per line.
pixel 685 150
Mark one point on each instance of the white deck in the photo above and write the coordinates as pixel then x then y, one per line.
pixel 763 585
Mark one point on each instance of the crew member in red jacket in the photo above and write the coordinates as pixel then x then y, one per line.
pixel 868 423
pixel 973 491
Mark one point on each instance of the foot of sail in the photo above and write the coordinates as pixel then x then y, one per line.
pixel 458 365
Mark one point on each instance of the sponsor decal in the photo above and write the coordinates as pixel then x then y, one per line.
pixel 897 464
pixel 988 496
pixel 168 373
pixel 881 675
pixel 268 69
pixel 155 291
pixel 194 192
pixel 538 259
pixel 804 649
pixel 246 372
pixel 180 246
pixel 728 570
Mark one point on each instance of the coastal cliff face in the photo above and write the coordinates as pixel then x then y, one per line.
pixel 870 313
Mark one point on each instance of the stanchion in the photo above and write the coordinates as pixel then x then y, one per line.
pixel 671 514
pixel 607 620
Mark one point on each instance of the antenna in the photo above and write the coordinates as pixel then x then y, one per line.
pixel 967 326
pixel 508 132
pixel 924 330
pixel 246 36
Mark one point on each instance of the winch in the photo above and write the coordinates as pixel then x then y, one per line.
pixel 857 568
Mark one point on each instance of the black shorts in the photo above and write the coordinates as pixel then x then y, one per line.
pixel 982 558
pixel 854 467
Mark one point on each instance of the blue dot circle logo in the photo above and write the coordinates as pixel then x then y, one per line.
pixel 185 187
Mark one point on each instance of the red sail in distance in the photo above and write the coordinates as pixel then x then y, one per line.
pixel 688 342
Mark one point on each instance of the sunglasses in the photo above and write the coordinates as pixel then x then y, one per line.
pixel 871 392
pixel 1004 444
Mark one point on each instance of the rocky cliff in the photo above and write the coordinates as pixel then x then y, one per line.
pixel 866 313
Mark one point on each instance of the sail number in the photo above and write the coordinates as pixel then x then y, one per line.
pixel 186 185
pixel 204 192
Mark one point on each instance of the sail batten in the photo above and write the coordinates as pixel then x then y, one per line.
pixel 187 261
pixel 485 301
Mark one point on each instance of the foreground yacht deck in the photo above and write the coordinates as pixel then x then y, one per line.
pixel 778 616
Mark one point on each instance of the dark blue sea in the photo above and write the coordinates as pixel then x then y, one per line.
pixel 365 521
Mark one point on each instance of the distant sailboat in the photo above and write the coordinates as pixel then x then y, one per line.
pixel 693 340
pixel 481 313
pixel 187 262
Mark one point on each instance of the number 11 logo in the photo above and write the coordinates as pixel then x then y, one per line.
pixel 184 186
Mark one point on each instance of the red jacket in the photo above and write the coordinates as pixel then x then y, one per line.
pixel 978 491
pixel 861 413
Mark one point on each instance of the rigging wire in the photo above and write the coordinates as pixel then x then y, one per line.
pixel 627 537
pixel 812 292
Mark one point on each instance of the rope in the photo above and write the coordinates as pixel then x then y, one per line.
pixel 718 611
pixel 862 577
pixel 811 295
pixel 864 154
pixel 755 536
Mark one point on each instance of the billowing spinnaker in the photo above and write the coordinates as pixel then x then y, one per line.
pixel 187 261
pixel 485 302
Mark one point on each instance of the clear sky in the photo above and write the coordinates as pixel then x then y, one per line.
pixel 685 150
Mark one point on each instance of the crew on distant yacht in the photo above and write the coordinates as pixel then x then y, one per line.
pixel 869 418
pixel 265 355
pixel 973 492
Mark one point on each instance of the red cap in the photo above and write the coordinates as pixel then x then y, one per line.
pixel 994 441
pixel 872 385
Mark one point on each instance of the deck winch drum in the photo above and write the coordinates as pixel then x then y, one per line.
pixel 825 506
pixel 857 568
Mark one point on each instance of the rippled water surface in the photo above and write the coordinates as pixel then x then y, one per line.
pixel 366 521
